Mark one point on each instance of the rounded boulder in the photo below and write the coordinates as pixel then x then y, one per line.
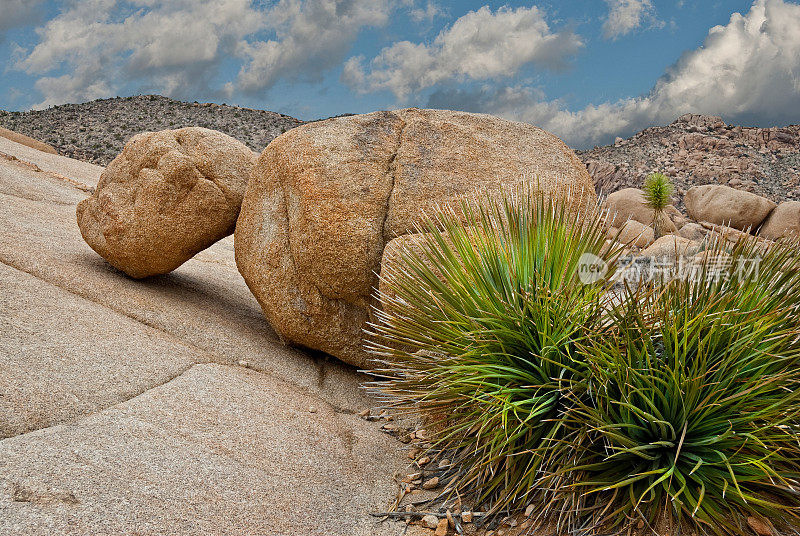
pixel 326 197
pixel 167 196
pixel 723 205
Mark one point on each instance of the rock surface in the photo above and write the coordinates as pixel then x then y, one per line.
pixel 124 408
pixel 636 234
pixel 723 205
pixel 668 246
pixel 166 197
pixel 26 140
pixel 782 222
pixel 325 198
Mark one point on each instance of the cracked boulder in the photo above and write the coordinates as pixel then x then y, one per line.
pixel 166 197
pixel 326 197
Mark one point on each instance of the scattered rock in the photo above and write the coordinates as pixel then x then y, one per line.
pixel 727 206
pixel 636 234
pixel 433 483
pixel 692 231
pixel 671 246
pixel 441 527
pixel 466 516
pixel 783 222
pixel 326 197
pixel 430 521
pixel 166 197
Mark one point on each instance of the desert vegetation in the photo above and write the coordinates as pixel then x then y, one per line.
pixel 668 403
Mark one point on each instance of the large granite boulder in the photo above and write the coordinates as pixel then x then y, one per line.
pixel 723 205
pixel 326 197
pixel 783 222
pixel 166 197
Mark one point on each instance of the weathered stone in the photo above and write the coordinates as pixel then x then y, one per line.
pixel 636 234
pixel 166 197
pixel 692 231
pixel 782 222
pixel 326 197
pixel 723 205
pixel 668 246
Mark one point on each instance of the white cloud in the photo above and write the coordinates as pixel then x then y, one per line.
pixel 177 47
pixel 426 14
pixel 312 37
pixel 747 71
pixel 480 45
pixel 17 13
pixel 625 16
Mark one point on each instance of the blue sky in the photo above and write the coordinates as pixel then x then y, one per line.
pixel 587 70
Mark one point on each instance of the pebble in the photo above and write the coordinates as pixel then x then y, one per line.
pixel 430 521
pixel 466 517
pixel 364 413
pixel 413 453
pixel 433 483
pixel 529 510
pixel 450 520
pixel 441 528
pixel 312 409
pixel 424 460
pixel 243 363
pixel 444 463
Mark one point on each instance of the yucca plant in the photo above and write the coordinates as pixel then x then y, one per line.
pixel 478 334
pixel 658 190
pixel 694 404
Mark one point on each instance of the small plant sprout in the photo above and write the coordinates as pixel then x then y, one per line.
pixel 658 190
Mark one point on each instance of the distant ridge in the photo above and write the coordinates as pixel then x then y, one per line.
pixel 96 131
pixel 702 149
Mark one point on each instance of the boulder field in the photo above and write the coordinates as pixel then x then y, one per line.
pixel 325 198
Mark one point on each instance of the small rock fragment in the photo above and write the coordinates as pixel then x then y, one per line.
pixel 364 413
pixel 413 453
pixel 430 521
pixel 466 517
pixel 424 460
pixel 441 527
pixel 444 463
pixel 312 409
pixel 433 483
pixel 243 363
pixel 529 510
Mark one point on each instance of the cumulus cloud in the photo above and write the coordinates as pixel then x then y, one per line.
pixel 312 37
pixel 747 71
pixel 480 45
pixel 16 13
pixel 175 47
pixel 178 47
pixel 625 16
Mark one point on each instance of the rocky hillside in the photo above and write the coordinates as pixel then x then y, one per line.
pixel 96 131
pixel 701 149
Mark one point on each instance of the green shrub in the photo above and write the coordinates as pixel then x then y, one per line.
pixel 695 400
pixel 478 332
pixel 676 400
